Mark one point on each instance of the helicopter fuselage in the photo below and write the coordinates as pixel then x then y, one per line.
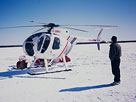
pixel 48 46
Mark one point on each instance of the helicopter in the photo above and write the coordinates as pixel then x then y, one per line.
pixel 53 45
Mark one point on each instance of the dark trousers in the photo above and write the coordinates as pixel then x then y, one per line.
pixel 115 69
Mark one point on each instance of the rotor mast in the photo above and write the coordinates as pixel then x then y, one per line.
pixel 50 26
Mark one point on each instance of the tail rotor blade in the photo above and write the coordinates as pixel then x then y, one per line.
pixel 99 38
pixel 98 45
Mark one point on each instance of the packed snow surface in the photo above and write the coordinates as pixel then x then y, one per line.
pixel 89 80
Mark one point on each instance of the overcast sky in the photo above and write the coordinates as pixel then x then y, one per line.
pixel 103 12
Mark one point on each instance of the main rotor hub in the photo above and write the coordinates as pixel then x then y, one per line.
pixel 52 25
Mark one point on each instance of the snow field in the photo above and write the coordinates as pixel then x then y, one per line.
pixel 87 82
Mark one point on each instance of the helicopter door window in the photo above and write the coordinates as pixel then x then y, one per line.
pixel 40 43
pixel 56 43
pixel 46 44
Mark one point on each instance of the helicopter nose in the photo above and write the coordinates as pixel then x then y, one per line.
pixel 29 44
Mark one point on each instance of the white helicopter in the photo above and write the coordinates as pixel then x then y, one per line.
pixel 54 44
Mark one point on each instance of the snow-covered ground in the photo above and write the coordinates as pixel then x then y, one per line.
pixel 89 80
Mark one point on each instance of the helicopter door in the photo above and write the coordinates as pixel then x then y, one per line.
pixel 40 43
pixel 56 46
pixel 43 43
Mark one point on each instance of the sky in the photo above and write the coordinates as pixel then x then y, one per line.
pixel 121 13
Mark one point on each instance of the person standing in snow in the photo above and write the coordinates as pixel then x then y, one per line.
pixel 114 55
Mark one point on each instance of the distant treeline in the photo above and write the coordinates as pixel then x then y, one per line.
pixel 102 42
pixel 6 46
pixel 129 41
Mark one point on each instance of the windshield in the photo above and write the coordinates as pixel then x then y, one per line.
pixel 29 44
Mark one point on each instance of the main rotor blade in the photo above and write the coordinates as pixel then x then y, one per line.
pixel 39 30
pixel 39 22
pixel 21 26
pixel 92 25
pixel 75 29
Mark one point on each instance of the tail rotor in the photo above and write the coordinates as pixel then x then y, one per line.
pixel 99 38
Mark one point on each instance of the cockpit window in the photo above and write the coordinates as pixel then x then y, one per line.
pixel 33 36
pixel 46 44
pixel 56 43
pixel 29 49
pixel 29 44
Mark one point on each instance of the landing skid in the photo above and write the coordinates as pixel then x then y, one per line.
pixel 49 72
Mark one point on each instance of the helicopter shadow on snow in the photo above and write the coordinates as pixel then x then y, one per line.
pixel 11 74
pixel 77 89
pixel 39 77
pixel 18 73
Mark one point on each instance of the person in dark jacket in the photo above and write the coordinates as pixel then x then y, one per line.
pixel 114 55
pixel 22 63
